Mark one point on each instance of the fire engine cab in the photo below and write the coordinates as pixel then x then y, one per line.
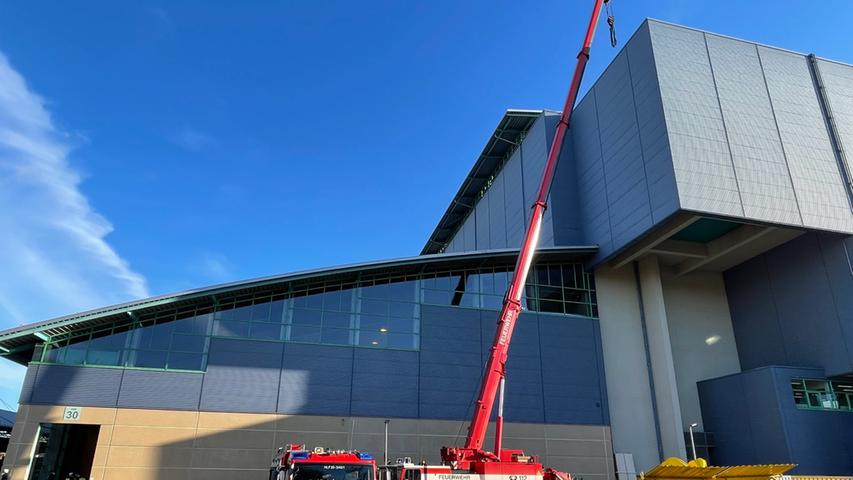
pixel 294 462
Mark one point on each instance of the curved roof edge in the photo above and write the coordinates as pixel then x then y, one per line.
pixel 15 339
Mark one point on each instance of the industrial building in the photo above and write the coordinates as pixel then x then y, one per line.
pixel 694 268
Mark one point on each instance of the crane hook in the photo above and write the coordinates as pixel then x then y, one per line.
pixel 611 21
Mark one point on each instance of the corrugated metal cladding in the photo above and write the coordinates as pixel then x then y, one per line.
pixel 437 382
pixel 687 120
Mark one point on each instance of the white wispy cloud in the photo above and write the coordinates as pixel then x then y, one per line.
pixel 194 140
pixel 54 256
pixel 215 267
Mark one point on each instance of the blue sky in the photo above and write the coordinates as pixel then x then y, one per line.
pixel 152 147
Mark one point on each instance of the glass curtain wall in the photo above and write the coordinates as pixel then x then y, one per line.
pixel 816 394
pixel 379 311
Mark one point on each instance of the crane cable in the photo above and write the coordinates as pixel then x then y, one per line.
pixel 611 21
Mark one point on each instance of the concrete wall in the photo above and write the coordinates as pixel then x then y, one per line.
pixel 701 335
pixel 140 444
pixel 755 420
pixel 632 418
pixel 653 396
pixel 794 305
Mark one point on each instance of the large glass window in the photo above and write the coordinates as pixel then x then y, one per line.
pixel 379 311
pixel 822 394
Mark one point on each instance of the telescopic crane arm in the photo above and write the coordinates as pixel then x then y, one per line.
pixel 496 367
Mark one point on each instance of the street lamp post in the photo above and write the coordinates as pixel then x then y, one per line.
pixel 692 441
pixel 385 456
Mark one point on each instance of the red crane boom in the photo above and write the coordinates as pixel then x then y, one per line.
pixel 496 367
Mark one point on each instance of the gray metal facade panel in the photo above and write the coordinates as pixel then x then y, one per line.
pixel 660 175
pixel 154 389
pixel 566 217
pixel 792 305
pixel 534 152
pixel 451 363
pixel 524 394
pixel 725 413
pixel 755 323
pixel 766 423
pixel 249 367
pixel 570 380
pixel 814 170
pixel 481 225
pixel 838 81
pixel 805 306
pixel 469 232
pixel 514 205
pixel 592 185
pixel 385 383
pixel 836 250
pixel 454 245
pixel 757 154
pixel 84 386
pixel 497 212
pixel 27 386
pixel 627 192
pixel 833 455
pixel 546 235
pixel 755 421
pixel 700 154
pixel 315 380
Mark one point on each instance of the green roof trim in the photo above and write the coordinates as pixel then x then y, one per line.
pixel 705 229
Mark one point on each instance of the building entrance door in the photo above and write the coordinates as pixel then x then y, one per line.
pixel 64 451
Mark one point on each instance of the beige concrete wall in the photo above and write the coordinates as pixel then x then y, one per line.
pixel 629 393
pixel 136 444
pixel 660 353
pixel 690 333
pixel 701 334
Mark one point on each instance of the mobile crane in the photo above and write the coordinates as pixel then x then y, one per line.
pixel 472 461
pixel 514 464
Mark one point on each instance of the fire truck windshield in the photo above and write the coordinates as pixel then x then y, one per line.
pixel 331 471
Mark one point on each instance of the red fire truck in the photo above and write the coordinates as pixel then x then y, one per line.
pixel 294 462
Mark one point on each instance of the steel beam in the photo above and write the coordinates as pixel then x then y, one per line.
pixel 680 248
pixel 728 243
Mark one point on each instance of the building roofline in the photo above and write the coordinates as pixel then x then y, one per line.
pixel 25 335
pixel 730 37
pixel 502 143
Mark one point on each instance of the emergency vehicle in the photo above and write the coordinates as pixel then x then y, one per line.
pixel 294 462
